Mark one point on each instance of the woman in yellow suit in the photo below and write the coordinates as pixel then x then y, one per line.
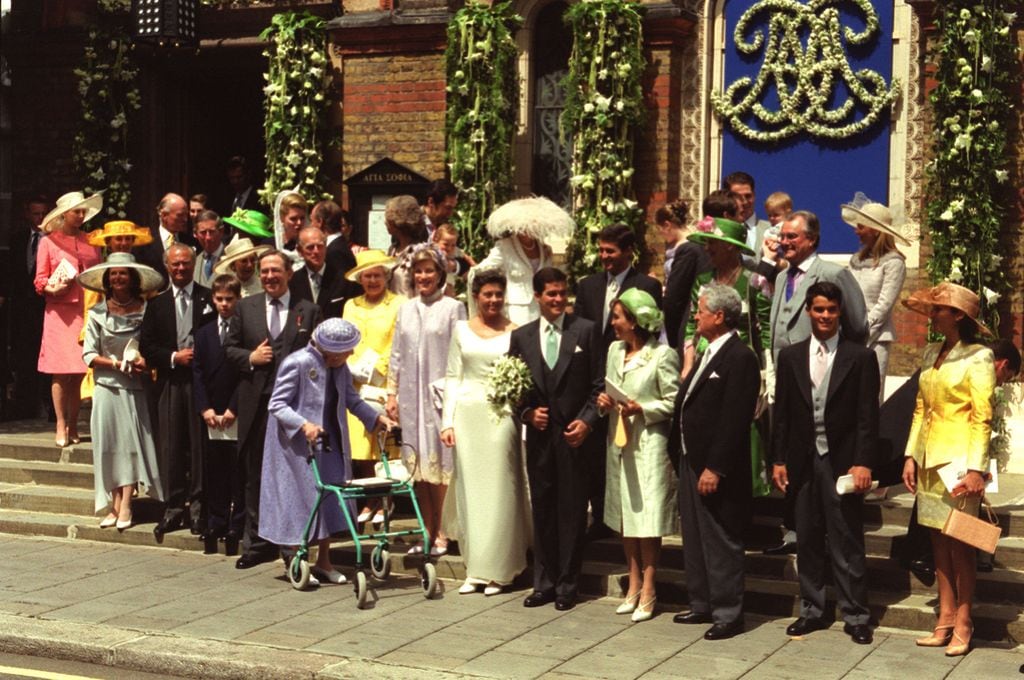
pixel 374 314
pixel 952 423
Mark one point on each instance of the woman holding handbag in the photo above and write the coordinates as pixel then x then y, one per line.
pixel 952 422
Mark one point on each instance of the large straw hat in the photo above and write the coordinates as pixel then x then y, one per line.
pixel 99 237
pixel 728 231
pixel 92 278
pixel 948 295
pixel 537 217
pixel 865 212
pixel 73 201
pixel 239 248
pixel 368 259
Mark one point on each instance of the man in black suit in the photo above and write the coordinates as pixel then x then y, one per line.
pixel 215 386
pixel 166 340
pixel 243 194
pixel 616 245
pixel 319 281
pixel 25 314
pixel 265 329
pixel 826 426
pixel 562 351
pixel 172 211
pixel 714 411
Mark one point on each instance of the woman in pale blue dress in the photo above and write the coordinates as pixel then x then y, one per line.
pixel 490 479
pixel 415 383
pixel 124 454
pixel 640 486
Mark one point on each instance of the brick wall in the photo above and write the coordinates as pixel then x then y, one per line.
pixel 393 105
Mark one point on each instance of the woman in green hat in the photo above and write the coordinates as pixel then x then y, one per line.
pixel 640 488
pixel 725 242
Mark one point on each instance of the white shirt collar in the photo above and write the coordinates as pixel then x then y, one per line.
pixel 285 299
pixel 619 278
pixel 808 261
pixel 830 345
pixel 558 323
pixel 164 235
pixel 187 289
pixel 718 342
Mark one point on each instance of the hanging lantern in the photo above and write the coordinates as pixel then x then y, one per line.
pixel 165 23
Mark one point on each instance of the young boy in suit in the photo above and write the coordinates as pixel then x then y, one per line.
pixel 215 386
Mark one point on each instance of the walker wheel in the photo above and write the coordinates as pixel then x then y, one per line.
pixel 298 572
pixel 380 562
pixel 362 590
pixel 428 579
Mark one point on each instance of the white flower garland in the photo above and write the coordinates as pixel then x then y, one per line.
pixel 817 70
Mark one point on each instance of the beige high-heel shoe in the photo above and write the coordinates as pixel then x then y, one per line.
pixel 936 640
pixel 962 647
pixel 629 604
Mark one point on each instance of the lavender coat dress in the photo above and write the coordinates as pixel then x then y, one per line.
pixel 305 390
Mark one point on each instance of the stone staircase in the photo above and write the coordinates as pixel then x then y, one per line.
pixel 48 491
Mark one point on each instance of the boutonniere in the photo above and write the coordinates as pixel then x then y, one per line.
pixel 298 320
pixel 313 374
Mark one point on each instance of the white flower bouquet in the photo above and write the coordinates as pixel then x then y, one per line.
pixel 509 382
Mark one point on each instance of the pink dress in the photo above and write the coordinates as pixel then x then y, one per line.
pixel 60 352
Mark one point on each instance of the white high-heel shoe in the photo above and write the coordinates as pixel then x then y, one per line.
pixel 467 588
pixel 493 588
pixel 645 611
pixel 629 604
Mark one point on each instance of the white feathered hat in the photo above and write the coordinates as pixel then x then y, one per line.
pixel 536 216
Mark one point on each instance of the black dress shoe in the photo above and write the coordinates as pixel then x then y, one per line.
pixel 564 603
pixel 784 548
pixel 984 567
pixel 860 633
pixel 210 544
pixel 804 626
pixel 230 545
pixel 922 566
pixel 247 561
pixel 538 599
pixel 724 631
pixel 692 617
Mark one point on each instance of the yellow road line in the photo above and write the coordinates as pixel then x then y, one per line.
pixel 44 675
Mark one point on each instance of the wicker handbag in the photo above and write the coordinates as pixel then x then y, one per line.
pixel 972 530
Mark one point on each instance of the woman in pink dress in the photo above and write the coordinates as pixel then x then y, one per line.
pixel 60 355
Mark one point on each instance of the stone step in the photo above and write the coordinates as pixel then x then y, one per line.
pixel 66 500
pixel 43 450
pixel 77 475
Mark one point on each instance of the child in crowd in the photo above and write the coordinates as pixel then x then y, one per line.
pixel 215 390
pixel 778 205
pixel 457 262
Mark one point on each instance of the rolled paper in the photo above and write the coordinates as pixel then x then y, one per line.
pixel 844 485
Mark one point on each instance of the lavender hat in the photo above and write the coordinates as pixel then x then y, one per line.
pixel 336 335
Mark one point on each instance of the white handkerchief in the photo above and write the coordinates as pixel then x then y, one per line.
pixel 207 309
pixel 578 349
pixel 714 375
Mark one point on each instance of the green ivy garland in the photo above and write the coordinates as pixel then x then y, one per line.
pixel 968 177
pixel 805 78
pixel 603 109
pixel 107 85
pixel 480 116
pixel 296 108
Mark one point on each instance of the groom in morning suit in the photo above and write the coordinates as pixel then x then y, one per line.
pixel 265 329
pixel 714 412
pixel 563 353
pixel 826 426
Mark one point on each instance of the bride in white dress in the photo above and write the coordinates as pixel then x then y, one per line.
pixel 489 478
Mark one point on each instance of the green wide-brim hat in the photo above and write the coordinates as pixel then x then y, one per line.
pixel 251 222
pixel 729 231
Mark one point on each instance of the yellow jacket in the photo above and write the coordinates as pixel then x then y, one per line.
pixel 953 416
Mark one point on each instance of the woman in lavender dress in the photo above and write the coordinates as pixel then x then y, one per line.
pixel 419 356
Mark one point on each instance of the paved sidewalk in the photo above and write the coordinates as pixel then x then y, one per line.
pixel 182 613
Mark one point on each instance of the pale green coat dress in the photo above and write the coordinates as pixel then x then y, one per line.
pixel 640 489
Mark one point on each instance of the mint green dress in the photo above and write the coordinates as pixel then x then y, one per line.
pixel 640 484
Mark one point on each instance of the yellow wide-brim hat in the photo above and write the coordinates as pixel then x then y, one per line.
pixel 368 259
pixel 99 237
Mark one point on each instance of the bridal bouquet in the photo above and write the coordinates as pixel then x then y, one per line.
pixel 509 382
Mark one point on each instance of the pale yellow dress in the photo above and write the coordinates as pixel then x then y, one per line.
pixel 376 323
